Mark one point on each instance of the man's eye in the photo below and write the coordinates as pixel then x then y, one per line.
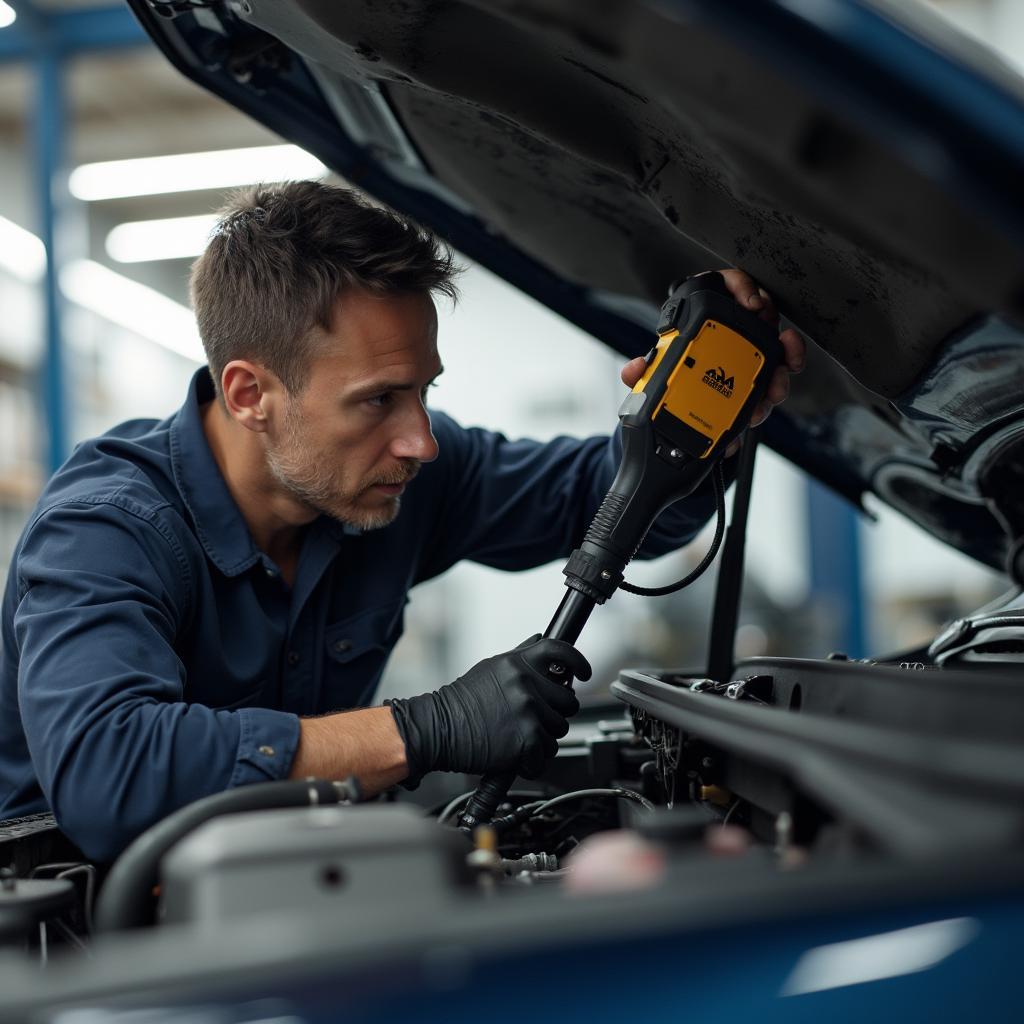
pixel 379 401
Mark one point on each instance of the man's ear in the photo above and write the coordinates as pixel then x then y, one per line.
pixel 251 393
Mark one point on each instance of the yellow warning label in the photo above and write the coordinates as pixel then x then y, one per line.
pixel 712 381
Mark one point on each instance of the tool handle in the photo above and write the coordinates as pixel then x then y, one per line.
pixel 567 624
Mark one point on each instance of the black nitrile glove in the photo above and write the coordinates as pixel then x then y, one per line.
pixel 504 714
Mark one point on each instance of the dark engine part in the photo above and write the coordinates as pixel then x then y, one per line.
pixel 25 904
pixel 46 886
pixel 903 758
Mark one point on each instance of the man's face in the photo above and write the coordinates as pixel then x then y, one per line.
pixel 358 431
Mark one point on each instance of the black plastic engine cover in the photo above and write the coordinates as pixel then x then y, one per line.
pixel 914 758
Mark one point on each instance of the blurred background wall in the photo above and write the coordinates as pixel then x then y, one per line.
pixel 129 346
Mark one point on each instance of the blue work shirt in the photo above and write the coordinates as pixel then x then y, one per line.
pixel 153 655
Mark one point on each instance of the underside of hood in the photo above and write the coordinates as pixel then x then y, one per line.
pixel 861 168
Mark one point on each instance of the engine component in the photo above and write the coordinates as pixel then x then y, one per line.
pixel 26 903
pixel 532 862
pixel 126 900
pixel 306 860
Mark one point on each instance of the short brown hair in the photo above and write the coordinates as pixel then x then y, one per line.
pixel 282 254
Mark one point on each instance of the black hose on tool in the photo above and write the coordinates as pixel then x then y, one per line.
pixel 567 625
pixel 126 899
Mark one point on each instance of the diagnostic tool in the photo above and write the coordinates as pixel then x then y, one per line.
pixel 707 373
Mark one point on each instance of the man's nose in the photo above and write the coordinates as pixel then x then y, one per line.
pixel 417 441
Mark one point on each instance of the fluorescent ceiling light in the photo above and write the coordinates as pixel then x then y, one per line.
pixel 189 172
pixel 134 306
pixel 7 14
pixel 142 310
pixel 21 253
pixel 171 239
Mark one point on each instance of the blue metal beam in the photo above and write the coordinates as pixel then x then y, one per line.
pixel 836 578
pixel 69 32
pixel 48 39
pixel 49 152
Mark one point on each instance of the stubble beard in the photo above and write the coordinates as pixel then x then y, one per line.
pixel 306 476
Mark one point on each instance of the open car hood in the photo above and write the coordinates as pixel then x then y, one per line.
pixel 862 161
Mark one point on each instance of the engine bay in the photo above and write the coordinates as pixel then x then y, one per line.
pixel 763 790
pixel 789 766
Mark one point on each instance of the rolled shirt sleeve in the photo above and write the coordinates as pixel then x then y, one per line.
pixel 104 590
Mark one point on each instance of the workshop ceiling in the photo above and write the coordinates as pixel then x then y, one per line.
pixel 137 104
pixel 128 103
pixel 123 104
pixel 131 104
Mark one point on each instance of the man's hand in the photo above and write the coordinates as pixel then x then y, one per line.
pixel 504 714
pixel 746 292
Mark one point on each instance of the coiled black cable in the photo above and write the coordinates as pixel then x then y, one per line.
pixel 718 481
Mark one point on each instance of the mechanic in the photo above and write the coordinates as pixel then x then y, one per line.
pixel 198 603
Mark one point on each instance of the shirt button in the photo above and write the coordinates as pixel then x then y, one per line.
pixel 293 658
pixel 269 751
pixel 270 571
pixel 341 646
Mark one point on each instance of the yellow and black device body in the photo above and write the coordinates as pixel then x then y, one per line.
pixel 711 367
pixel 707 373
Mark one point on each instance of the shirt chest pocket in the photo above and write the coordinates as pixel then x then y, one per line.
pixel 357 649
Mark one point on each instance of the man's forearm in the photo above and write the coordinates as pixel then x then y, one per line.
pixel 363 743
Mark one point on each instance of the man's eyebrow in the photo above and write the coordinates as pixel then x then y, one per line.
pixel 380 387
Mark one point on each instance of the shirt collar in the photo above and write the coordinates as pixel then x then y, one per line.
pixel 218 521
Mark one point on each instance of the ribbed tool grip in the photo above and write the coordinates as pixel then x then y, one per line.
pixel 606 517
